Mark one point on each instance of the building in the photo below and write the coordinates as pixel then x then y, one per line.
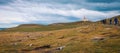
pixel 85 19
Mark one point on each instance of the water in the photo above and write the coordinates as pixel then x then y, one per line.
pixel 2 28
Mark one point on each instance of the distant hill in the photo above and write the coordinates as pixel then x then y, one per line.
pixel 30 25
pixel 71 23
pixel 54 26
pixel 26 27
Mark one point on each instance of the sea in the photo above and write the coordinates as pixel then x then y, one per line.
pixel 2 28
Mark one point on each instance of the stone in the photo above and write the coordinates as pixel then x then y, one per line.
pixel 60 48
pixel 98 38
pixel 14 43
pixel 42 47
pixel 107 28
pixel 30 45
pixel 61 37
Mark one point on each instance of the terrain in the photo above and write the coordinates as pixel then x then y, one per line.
pixel 37 27
pixel 75 37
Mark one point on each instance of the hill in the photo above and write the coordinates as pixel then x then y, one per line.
pixel 74 37
pixel 108 20
pixel 116 17
pixel 24 27
pixel 55 26
pixel 30 25
pixel 90 38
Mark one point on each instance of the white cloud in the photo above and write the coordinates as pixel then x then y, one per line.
pixel 21 12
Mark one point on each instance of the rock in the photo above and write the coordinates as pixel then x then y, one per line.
pixel 15 44
pixel 33 39
pixel 28 36
pixel 74 38
pixel 107 28
pixel 105 33
pixel 80 30
pixel 30 45
pixel 114 36
pixel 98 38
pixel 51 33
pixel 61 37
pixel 19 40
pixel 60 48
pixel 42 47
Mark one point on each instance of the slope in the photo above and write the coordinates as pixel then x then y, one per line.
pixel 91 38
pixel 55 26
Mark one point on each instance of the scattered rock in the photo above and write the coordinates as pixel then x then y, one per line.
pixel 10 35
pixel 107 28
pixel 74 38
pixel 15 44
pixel 33 39
pixel 106 33
pixel 42 47
pixel 60 48
pixel 61 37
pixel 30 45
pixel 28 36
pixel 18 40
pixel 98 38
pixel 79 30
pixel 114 36
pixel 51 33
pixel 37 48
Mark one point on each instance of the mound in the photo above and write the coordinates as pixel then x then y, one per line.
pixel 30 25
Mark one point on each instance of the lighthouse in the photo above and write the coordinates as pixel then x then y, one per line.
pixel 85 19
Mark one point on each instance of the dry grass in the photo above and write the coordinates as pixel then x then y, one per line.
pixel 76 40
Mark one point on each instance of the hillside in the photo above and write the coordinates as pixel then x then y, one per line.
pixel 118 17
pixel 74 37
pixel 55 26
pixel 90 38
pixel 30 25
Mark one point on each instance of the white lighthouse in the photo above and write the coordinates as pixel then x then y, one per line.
pixel 85 19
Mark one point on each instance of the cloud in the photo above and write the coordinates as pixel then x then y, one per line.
pixel 3 2
pixel 103 1
pixel 47 12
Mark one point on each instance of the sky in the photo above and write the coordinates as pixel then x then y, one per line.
pixel 16 12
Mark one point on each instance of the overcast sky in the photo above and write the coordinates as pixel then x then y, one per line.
pixel 15 12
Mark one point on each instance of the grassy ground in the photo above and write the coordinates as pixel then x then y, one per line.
pixel 75 38
pixel 27 28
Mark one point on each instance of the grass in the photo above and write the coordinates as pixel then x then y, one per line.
pixel 44 28
pixel 76 38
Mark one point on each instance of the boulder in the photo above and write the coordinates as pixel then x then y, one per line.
pixel 60 48
pixel 98 38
